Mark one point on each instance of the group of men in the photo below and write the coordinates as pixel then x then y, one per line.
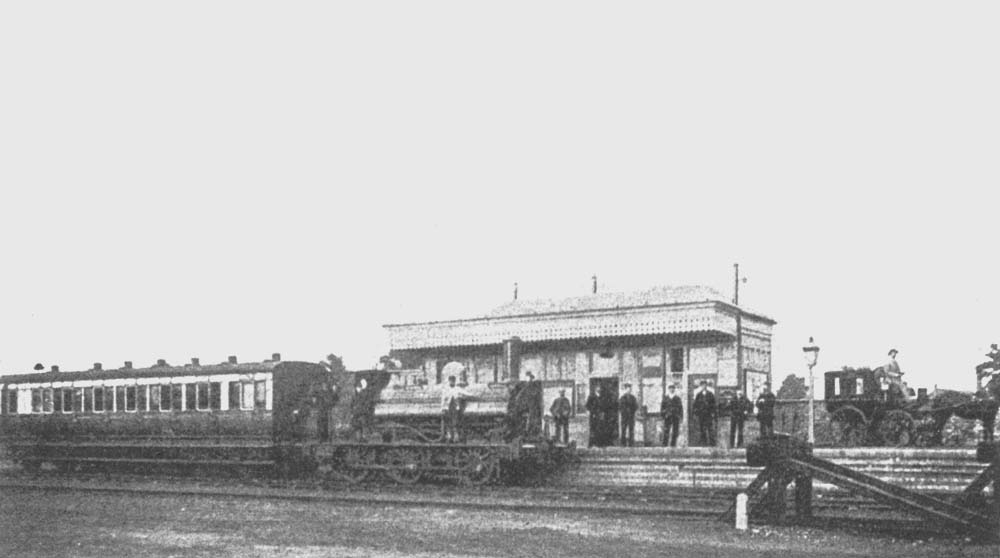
pixel 603 408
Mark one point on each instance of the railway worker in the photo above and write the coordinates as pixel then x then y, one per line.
pixel 704 410
pixel 627 406
pixel 672 410
pixel 595 406
pixel 765 411
pixel 360 409
pixel 739 408
pixel 561 410
pixel 452 404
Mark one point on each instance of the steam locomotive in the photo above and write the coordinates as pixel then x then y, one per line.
pixel 292 419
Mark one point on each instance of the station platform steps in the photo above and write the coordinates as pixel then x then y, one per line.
pixel 922 470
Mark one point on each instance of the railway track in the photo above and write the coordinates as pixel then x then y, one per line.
pixel 831 509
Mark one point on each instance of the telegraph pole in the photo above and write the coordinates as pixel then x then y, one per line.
pixel 740 379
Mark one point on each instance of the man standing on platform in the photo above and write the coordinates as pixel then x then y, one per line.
pixel 765 411
pixel 672 410
pixel 595 407
pixel 704 411
pixel 561 410
pixel 627 406
pixel 739 409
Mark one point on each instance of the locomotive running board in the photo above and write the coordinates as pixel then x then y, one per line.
pixel 786 460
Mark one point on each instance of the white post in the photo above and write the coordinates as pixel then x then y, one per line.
pixel 741 511
pixel 812 403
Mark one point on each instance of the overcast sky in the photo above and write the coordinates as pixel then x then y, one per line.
pixel 212 178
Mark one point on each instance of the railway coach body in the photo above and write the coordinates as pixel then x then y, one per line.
pixel 229 412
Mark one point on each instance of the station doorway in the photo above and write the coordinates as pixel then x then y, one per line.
pixel 604 426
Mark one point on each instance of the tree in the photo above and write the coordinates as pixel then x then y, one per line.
pixel 335 364
pixel 793 387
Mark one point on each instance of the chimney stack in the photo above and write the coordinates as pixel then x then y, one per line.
pixel 97 367
pixel 276 357
pixel 128 365
pixel 195 361
pixel 161 362
pixel 232 359
pixel 55 367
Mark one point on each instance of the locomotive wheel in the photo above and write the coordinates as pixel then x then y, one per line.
pixel 896 428
pixel 353 465
pixel 403 466
pixel 478 467
pixel 848 427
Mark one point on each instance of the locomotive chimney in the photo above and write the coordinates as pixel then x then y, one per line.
pixel 128 365
pixel 276 357
pixel 97 367
pixel 512 358
pixel 195 361
pixel 55 367
pixel 232 359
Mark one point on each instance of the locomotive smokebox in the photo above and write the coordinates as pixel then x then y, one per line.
pixel 512 358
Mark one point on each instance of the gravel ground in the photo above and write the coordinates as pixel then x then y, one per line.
pixel 44 523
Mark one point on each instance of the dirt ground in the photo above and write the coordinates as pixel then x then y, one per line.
pixel 49 523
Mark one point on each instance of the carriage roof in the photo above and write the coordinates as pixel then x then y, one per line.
pixel 154 371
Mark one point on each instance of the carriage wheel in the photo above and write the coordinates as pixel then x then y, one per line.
pixel 896 428
pixel 848 427
pixel 478 467
pixel 403 466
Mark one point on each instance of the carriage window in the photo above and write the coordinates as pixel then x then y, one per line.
pixel 177 397
pixel 78 406
pixel 67 400
pixel 201 389
pixel 164 397
pixel 142 398
pixel 214 396
pixel 36 400
pixel 99 399
pixel 120 398
pixel 130 398
pixel 88 400
pixel 47 400
pixel 247 402
pixel 57 399
pixel 109 398
pixel 260 395
pixel 235 394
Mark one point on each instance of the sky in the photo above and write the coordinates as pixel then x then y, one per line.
pixel 204 179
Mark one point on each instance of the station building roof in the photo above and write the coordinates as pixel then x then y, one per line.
pixel 662 310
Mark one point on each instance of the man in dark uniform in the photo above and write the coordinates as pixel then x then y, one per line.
pixel 595 408
pixel 561 410
pixel 672 410
pixel 765 411
pixel 739 408
pixel 627 406
pixel 704 411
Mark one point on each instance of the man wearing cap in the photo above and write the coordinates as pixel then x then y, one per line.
pixel 672 410
pixel 627 406
pixel 739 408
pixel 561 410
pixel 704 411
pixel 765 411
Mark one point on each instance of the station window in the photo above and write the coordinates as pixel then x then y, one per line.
pixel 142 398
pixel 235 395
pixel 247 401
pixel 201 396
pixel 177 397
pixel 57 399
pixel 36 400
pixel 190 397
pixel 78 402
pixel 260 394
pixel 162 397
pixel 129 398
pixel 88 399
pixel 3 402
pixel 47 406
pixel 119 398
pixel 677 359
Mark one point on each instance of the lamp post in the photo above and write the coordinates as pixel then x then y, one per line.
pixel 811 352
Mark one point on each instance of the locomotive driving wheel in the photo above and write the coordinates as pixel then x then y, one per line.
pixel 478 467
pixel 896 428
pixel 352 464
pixel 848 427
pixel 403 465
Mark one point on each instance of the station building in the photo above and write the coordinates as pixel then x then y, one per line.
pixel 648 339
